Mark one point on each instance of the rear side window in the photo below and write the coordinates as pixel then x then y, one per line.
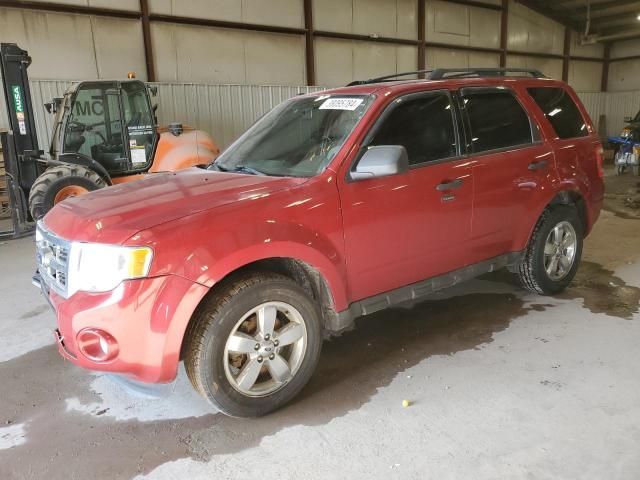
pixel 561 111
pixel 497 120
pixel 423 125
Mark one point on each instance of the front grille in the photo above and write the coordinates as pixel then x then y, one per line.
pixel 52 255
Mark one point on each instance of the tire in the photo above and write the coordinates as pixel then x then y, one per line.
pixel 215 372
pixel 532 270
pixel 620 170
pixel 54 180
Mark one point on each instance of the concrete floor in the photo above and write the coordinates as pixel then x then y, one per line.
pixel 503 384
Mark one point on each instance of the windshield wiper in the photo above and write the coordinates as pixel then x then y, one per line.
pixel 245 169
pixel 237 168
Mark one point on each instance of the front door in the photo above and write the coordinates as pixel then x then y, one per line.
pixel 404 228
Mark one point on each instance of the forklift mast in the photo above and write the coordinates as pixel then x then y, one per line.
pixel 20 144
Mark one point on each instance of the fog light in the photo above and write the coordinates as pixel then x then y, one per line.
pixel 97 345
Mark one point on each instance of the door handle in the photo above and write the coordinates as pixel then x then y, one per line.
pixel 538 165
pixel 457 183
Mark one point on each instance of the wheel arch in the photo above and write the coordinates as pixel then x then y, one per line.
pixel 569 196
pixel 308 276
pixel 83 161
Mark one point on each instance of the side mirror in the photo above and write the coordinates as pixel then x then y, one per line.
pixel 628 119
pixel 153 89
pixel 381 161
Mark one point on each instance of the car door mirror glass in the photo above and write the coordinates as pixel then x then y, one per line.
pixel 381 161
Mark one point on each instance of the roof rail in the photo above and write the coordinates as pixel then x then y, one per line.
pixel 442 73
pixel 386 77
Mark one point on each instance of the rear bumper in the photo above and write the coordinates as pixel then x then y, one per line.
pixel 147 318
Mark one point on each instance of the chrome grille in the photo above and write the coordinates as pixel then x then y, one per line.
pixel 52 256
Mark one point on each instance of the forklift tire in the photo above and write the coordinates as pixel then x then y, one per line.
pixel 59 183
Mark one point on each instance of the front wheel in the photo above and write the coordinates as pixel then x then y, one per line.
pixel 253 346
pixel 552 257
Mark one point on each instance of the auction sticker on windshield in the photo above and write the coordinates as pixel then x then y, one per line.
pixel 341 104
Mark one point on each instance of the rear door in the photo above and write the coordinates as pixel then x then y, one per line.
pixel 404 228
pixel 513 168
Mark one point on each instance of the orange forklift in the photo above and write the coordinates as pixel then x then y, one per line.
pixel 104 133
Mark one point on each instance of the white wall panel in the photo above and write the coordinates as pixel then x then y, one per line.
pixel 593 50
pixel 132 5
pixel 385 18
pixel 624 75
pixel 585 76
pixel 444 58
pixel 618 106
pixel 338 62
pixel 119 47
pixel 224 111
pixel 284 13
pixel 462 25
pixel 625 48
pixel 61 45
pixel 550 67
pixel 532 32
pixel 214 55
pixel 274 59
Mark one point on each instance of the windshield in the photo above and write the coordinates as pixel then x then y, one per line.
pixel 298 138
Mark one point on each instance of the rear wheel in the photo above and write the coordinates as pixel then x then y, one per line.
pixel 554 251
pixel 59 183
pixel 253 346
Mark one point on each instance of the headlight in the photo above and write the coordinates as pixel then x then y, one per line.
pixel 99 268
pixel 625 133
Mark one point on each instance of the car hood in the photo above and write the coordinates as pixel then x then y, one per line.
pixel 114 214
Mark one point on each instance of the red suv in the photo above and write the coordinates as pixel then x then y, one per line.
pixel 332 206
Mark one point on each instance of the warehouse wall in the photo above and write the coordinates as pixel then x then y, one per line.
pixel 79 46
pixel 71 47
pixel 624 75
pixel 382 38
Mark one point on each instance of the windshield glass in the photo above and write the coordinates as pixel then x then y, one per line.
pixel 297 138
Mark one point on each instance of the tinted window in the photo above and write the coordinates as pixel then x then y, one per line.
pixel 561 111
pixel 423 125
pixel 497 120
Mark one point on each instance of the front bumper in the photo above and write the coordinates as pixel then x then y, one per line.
pixel 147 317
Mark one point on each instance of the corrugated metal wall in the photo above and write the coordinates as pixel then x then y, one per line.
pixel 226 111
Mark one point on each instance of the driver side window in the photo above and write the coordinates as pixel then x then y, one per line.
pixel 423 125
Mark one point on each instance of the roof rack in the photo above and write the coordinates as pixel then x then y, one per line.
pixel 442 73
pixel 386 77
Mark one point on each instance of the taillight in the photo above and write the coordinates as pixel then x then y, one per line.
pixel 600 160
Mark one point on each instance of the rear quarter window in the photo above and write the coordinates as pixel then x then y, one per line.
pixel 561 111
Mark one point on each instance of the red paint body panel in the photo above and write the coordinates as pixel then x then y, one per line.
pixel 364 237
pixel 146 317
